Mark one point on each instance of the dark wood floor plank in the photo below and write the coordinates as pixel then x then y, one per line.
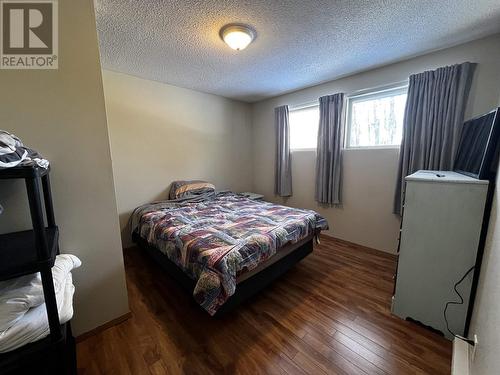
pixel 387 364
pixel 330 314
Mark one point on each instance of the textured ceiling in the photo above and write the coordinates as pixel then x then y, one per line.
pixel 298 44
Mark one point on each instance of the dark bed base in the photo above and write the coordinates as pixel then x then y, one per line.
pixel 246 288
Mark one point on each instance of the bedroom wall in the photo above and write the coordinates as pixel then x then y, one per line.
pixel 486 315
pixel 160 133
pixel 61 113
pixel 369 175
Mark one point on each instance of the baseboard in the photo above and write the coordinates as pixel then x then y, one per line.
pixel 461 358
pixel 103 327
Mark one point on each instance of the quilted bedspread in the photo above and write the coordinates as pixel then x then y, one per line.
pixel 215 240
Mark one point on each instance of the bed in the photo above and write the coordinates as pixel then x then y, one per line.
pixel 224 247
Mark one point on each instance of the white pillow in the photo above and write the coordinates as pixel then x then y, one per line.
pixel 18 295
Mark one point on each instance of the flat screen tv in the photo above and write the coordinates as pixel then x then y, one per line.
pixel 478 146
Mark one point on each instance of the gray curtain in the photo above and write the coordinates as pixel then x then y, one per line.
pixel 283 167
pixel 432 123
pixel 329 150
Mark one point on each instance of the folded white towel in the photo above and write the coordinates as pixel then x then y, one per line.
pixel 18 295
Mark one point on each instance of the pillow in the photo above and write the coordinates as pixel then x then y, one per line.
pixel 179 189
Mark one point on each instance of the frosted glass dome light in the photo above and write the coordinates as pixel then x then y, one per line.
pixel 236 36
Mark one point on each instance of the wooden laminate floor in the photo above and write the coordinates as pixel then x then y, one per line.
pixel 328 315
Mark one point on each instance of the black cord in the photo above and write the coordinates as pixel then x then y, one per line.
pixel 457 303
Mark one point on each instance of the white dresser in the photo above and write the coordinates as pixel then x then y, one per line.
pixel 441 227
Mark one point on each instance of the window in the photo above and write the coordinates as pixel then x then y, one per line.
pixel 375 119
pixel 304 127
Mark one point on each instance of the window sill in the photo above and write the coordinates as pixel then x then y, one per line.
pixel 373 148
pixel 302 149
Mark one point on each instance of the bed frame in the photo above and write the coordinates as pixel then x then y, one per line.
pixel 244 289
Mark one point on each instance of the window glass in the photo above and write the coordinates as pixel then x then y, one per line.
pixel 304 128
pixel 376 119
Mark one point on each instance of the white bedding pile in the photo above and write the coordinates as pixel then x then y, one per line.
pixel 23 316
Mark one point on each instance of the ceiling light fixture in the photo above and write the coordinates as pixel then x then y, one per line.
pixel 237 36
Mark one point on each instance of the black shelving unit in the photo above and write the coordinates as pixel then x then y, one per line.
pixel 27 252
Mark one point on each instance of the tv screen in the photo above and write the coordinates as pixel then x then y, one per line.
pixel 477 145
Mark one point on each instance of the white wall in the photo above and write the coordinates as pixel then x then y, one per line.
pixel 369 182
pixel 61 113
pixel 160 133
pixel 486 317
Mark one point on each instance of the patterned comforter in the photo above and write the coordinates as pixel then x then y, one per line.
pixel 218 238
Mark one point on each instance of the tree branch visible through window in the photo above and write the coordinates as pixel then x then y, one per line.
pixel 376 119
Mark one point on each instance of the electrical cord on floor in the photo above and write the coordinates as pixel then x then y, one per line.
pixel 457 303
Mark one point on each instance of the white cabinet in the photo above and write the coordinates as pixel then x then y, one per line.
pixel 442 222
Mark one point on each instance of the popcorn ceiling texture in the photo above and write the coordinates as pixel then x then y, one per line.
pixel 298 44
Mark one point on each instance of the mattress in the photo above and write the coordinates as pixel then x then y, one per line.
pixel 219 239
